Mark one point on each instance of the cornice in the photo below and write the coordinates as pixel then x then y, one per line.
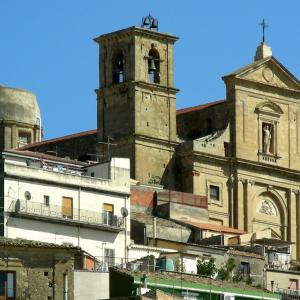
pixel 265 87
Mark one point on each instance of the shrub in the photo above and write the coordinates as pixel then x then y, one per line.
pixel 223 274
pixel 237 277
pixel 206 268
pixel 230 264
pixel 249 280
pixel 178 265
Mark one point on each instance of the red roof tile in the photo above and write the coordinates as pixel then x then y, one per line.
pixel 198 107
pixel 244 253
pixel 59 139
pixel 45 156
pixel 215 227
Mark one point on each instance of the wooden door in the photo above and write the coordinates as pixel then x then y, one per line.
pixel 67 207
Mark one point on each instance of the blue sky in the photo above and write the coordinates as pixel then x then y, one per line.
pixel 46 47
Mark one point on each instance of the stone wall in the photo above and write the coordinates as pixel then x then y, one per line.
pixel 202 120
pixel 39 273
pixel 137 114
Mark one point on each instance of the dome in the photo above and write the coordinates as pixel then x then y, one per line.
pixel 19 106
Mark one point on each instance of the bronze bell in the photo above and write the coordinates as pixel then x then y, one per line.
pixel 152 67
pixel 146 21
pixel 154 24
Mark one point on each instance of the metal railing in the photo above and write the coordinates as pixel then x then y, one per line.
pixel 58 212
pixel 286 294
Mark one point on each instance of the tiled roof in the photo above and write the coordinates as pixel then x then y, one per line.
pixel 8 242
pixel 215 227
pixel 44 156
pixel 60 139
pixel 244 253
pixel 198 107
pixel 147 219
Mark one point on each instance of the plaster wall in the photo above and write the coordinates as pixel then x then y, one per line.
pixel 91 285
pixel 281 279
pixel 88 194
pixel 209 173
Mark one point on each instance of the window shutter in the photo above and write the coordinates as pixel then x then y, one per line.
pixel 108 207
pixel 67 206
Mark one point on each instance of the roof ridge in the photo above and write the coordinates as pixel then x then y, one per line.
pixel 58 139
pixel 198 107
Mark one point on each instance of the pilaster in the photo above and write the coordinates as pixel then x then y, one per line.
pixel 240 217
pixel 298 225
pixel 292 221
pixel 249 205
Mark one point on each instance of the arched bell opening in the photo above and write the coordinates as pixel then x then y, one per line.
pixel 118 67
pixel 154 66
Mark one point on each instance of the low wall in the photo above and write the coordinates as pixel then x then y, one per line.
pixel 91 285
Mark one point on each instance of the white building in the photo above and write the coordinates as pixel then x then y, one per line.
pixel 57 200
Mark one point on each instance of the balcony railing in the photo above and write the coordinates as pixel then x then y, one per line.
pixel 56 213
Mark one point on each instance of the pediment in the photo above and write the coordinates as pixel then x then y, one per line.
pixel 269 71
pixel 268 107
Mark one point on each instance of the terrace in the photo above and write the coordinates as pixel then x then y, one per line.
pixel 59 214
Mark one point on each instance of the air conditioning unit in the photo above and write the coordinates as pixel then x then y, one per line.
pixel 229 297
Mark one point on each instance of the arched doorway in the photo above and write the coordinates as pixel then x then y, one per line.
pixel 269 212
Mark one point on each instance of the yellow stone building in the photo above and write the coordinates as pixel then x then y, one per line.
pixel 242 152
pixel 245 153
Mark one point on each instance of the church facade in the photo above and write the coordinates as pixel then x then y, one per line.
pixel 242 152
pixel 248 165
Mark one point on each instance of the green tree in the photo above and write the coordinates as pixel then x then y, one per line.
pixel 237 277
pixel 206 268
pixel 179 266
pixel 225 272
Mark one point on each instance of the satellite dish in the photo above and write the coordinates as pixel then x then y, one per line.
pixel 27 195
pixel 124 212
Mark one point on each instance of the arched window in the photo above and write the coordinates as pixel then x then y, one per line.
pixel 154 66
pixel 118 67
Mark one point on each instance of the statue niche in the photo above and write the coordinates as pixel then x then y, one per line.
pixel 268 138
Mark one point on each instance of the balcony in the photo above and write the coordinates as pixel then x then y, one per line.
pixel 54 214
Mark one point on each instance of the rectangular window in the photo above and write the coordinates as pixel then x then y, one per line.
pixel 108 213
pixel 109 257
pixel 46 200
pixel 214 192
pixel 245 269
pixel 7 285
pixel 293 284
pixel 24 138
pixel 67 207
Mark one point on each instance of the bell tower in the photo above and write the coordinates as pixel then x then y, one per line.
pixel 136 100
